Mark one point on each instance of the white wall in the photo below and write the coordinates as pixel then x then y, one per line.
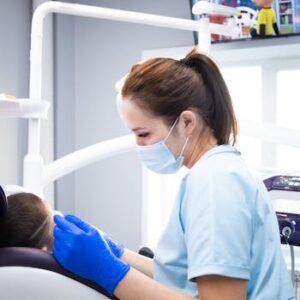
pixel 15 21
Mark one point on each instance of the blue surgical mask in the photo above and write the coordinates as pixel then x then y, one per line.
pixel 159 158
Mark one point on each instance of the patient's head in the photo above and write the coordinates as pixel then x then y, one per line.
pixel 27 223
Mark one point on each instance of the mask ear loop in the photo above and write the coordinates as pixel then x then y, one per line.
pixel 171 129
pixel 39 229
pixel 184 145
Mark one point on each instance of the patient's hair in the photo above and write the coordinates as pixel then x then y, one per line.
pixel 27 223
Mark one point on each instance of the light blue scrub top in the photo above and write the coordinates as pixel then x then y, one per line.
pixel 222 223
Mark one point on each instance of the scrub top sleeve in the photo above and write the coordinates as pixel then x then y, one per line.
pixel 217 225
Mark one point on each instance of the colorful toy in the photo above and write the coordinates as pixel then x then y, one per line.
pixel 266 20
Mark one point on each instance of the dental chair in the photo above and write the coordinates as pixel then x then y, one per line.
pixel 29 274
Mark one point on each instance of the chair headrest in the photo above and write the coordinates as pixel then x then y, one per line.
pixel 39 259
pixel 3 202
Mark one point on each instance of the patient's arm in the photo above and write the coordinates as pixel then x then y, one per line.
pixel 139 262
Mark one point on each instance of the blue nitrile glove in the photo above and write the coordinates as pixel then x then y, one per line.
pixel 82 250
pixel 117 249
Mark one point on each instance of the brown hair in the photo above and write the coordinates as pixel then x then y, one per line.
pixel 166 87
pixel 27 223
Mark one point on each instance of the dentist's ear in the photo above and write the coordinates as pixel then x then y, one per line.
pixel 190 120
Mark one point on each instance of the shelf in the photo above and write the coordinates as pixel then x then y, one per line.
pixel 23 108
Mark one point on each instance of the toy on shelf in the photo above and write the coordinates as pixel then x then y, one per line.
pixel 266 20
pixel 246 20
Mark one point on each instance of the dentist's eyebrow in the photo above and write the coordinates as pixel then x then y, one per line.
pixel 137 128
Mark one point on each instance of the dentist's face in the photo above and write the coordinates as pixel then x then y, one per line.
pixel 147 129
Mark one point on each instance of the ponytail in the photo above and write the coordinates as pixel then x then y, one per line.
pixel 166 87
pixel 217 110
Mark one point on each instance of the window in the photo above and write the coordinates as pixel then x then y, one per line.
pixel 245 87
pixel 288 103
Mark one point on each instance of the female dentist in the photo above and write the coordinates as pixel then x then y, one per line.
pixel 222 239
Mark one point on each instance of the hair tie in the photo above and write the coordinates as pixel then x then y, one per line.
pixel 185 61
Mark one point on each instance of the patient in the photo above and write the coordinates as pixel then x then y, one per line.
pixel 27 223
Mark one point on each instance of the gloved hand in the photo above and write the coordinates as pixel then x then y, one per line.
pixel 81 249
pixel 117 249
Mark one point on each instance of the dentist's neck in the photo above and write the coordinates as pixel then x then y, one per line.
pixel 198 146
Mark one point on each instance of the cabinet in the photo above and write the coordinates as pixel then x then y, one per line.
pixel 285 10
